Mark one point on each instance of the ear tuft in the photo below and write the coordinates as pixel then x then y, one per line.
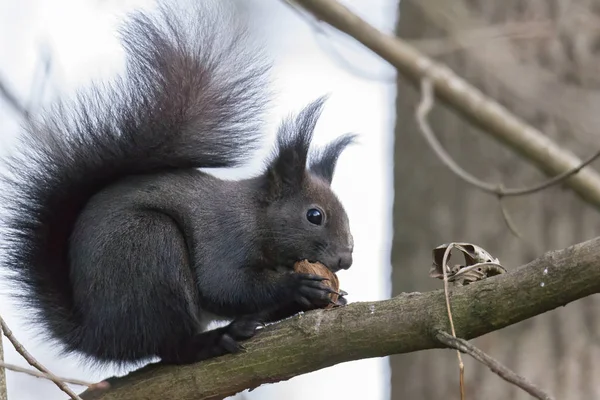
pixel 286 171
pixel 323 162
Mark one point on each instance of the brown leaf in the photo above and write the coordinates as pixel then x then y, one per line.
pixel 479 264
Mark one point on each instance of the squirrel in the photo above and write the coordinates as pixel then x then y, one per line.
pixel 123 244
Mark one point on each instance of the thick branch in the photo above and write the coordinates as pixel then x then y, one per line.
pixel 463 97
pixel 406 323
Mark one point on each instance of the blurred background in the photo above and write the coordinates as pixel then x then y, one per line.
pixel 538 58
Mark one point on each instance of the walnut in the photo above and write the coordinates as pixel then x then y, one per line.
pixel 319 269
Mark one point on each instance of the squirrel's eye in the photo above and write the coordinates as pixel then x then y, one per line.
pixel 314 216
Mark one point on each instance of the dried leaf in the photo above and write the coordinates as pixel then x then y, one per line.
pixel 479 264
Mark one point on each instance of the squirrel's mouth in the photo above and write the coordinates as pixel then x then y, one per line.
pixel 333 269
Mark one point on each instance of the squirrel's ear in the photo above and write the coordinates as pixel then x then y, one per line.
pixel 287 170
pixel 323 162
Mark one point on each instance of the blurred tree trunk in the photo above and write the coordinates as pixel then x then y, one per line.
pixel 560 350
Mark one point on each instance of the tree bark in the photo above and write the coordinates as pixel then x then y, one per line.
pixel 558 350
pixel 406 323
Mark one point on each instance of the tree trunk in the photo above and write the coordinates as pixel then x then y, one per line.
pixel 559 350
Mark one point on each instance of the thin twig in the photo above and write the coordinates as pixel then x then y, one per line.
pixel 3 388
pixel 34 363
pixel 461 365
pixel 508 220
pixel 36 90
pixel 13 100
pixel 40 80
pixel 38 374
pixel 496 367
pixel 423 110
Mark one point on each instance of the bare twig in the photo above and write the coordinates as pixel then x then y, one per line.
pixel 501 370
pixel 41 79
pixel 508 220
pixel 461 365
pixel 423 110
pixel 3 388
pixel 38 374
pixel 479 109
pixel 34 363
pixel 13 100
pixel 24 108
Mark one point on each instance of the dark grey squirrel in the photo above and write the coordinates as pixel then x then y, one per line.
pixel 124 249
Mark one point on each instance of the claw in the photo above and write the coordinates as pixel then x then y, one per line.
pixel 339 303
pixel 330 290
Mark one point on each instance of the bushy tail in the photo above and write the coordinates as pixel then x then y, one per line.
pixel 191 97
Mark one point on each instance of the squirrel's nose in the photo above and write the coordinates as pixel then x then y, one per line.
pixel 345 260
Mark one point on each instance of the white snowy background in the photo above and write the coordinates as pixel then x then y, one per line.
pixel 80 37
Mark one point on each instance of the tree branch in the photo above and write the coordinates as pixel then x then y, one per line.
pixel 35 363
pixel 463 97
pixel 406 323
pixel 31 372
pixel 3 388
pixel 423 110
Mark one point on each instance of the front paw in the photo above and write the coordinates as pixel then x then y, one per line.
pixel 311 291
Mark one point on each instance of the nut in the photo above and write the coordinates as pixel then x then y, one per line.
pixel 317 268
